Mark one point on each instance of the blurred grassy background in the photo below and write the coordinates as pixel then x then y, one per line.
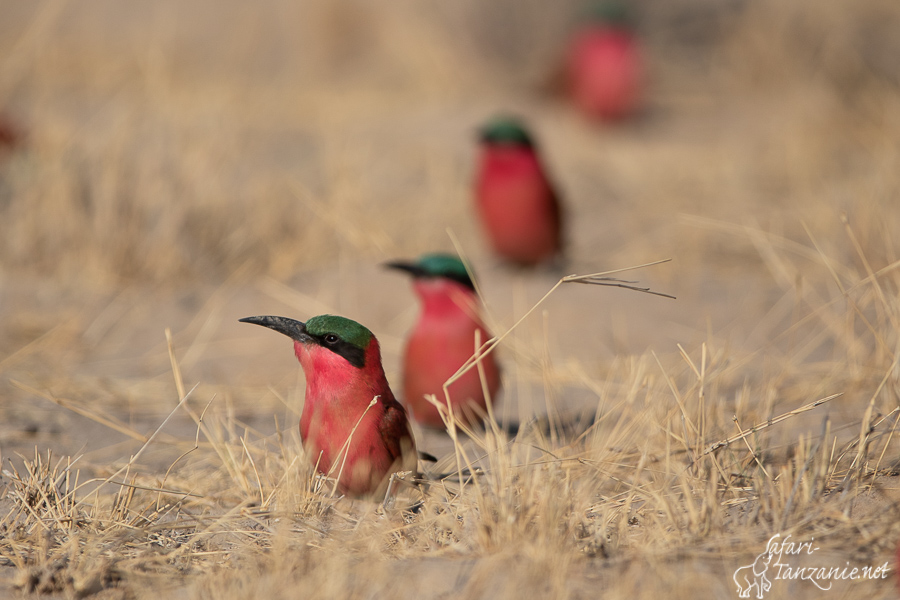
pixel 168 143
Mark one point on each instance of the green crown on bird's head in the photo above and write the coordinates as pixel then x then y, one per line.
pixel 344 329
pixel 446 265
pixel 506 131
pixel 610 12
pixel 436 265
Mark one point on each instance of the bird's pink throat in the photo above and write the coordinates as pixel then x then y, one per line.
pixel 444 296
pixel 510 159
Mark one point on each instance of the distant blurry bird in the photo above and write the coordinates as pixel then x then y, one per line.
pixel 517 205
pixel 10 134
pixel 604 65
pixel 443 339
pixel 347 436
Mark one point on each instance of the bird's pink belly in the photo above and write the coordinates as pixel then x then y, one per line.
pixel 358 467
pixel 430 362
pixel 521 227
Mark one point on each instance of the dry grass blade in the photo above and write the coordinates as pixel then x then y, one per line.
pixel 148 441
pixel 621 283
pixel 774 421
pixel 603 279
pixel 490 345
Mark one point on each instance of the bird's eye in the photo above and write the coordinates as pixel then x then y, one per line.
pixel 331 338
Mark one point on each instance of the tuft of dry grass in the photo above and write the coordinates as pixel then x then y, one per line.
pixel 686 458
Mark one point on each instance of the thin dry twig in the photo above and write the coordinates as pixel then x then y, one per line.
pixel 770 422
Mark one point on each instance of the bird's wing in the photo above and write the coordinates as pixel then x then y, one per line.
pixel 557 218
pixel 394 430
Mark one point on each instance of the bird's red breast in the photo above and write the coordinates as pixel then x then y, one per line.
pixel 605 71
pixel 517 205
pixel 441 342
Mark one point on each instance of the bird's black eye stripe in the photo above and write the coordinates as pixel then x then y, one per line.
pixel 355 356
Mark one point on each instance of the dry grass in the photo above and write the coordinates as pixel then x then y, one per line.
pixel 188 166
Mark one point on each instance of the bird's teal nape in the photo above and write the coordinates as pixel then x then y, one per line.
pixel 506 130
pixel 436 265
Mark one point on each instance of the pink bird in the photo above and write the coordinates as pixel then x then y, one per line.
pixel 11 135
pixel 604 64
pixel 517 205
pixel 352 426
pixel 443 340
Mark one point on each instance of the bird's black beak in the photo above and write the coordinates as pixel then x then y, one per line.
pixel 411 268
pixel 296 330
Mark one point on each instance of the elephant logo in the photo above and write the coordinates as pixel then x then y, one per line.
pixel 754 575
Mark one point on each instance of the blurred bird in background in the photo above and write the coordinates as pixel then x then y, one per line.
pixel 604 66
pixel 443 339
pixel 11 134
pixel 514 199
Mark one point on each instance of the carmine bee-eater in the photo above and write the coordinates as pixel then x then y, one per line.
pixel 604 66
pixel 518 208
pixel 10 134
pixel 443 340
pixel 342 363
